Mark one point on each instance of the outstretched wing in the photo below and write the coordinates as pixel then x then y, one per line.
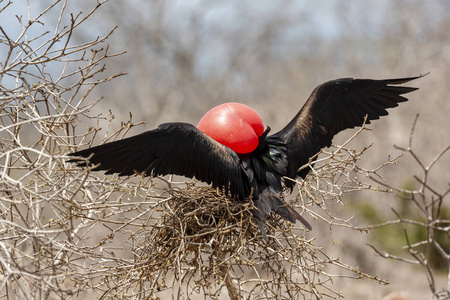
pixel 332 107
pixel 172 148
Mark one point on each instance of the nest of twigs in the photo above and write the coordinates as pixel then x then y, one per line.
pixel 204 241
pixel 203 215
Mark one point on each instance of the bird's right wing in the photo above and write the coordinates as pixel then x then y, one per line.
pixel 172 148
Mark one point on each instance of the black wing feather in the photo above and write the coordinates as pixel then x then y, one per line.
pixel 332 107
pixel 172 148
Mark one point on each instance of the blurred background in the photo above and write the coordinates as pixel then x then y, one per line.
pixel 184 57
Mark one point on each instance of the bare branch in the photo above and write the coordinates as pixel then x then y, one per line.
pixel 428 201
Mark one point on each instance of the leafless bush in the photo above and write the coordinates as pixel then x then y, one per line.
pixel 430 205
pixel 46 85
pixel 68 233
pixel 196 241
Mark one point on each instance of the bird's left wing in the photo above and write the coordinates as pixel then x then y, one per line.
pixel 172 148
pixel 332 107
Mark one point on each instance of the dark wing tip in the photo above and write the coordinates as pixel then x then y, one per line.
pixel 405 79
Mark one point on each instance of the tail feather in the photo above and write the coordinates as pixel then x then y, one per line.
pixel 268 202
pixel 297 216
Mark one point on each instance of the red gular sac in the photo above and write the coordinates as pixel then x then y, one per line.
pixel 234 125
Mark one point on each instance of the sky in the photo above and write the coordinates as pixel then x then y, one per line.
pixel 218 21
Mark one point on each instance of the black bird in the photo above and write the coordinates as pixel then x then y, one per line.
pixel 182 149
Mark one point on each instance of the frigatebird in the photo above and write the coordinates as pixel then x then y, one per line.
pixel 258 171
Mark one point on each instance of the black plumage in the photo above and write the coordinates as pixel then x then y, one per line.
pixel 180 148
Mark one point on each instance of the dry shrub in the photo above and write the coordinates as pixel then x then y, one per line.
pixel 199 242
